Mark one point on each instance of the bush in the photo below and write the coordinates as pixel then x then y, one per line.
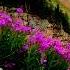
pixel 10 41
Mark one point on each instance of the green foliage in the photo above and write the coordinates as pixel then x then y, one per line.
pixel 55 61
pixel 31 60
pixel 10 41
pixel 52 4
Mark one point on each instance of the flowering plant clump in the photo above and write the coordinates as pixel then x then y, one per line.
pixel 29 51
pixel 46 43
pixel 21 28
pixel 4 19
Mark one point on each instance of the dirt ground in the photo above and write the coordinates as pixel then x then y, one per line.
pixel 51 30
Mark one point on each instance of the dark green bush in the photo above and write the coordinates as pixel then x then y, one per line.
pixel 55 61
pixel 10 41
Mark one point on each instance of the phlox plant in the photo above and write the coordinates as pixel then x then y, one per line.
pixel 46 43
pixel 26 52
pixel 55 58
pixel 21 28
pixel 4 19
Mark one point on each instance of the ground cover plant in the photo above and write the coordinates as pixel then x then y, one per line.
pixel 25 48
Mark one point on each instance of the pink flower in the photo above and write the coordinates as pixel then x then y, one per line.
pixel 39 36
pixel 61 50
pixel 19 27
pixel 68 46
pixel 45 44
pixel 19 10
pixel 2 22
pixel 4 19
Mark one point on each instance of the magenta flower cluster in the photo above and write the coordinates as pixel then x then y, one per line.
pixel 37 37
pixel 19 27
pixel 4 19
pixel 46 43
